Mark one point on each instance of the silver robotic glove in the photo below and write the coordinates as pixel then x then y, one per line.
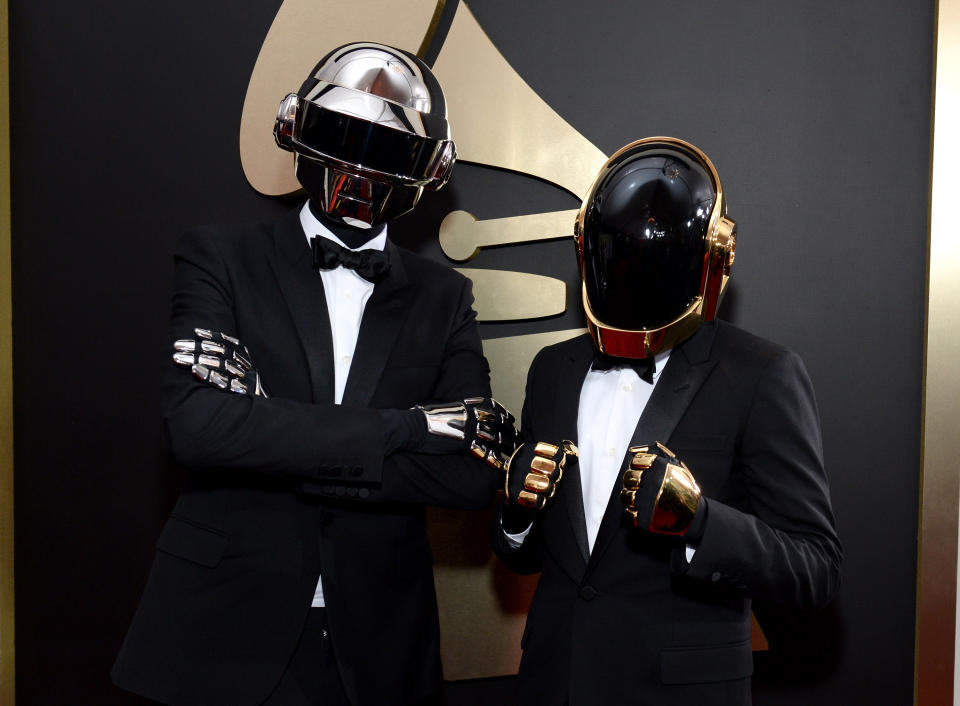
pixel 219 360
pixel 482 424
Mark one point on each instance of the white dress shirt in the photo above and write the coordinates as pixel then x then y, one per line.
pixel 611 402
pixel 346 293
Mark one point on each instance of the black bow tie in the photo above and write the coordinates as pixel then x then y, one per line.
pixel 372 265
pixel 645 367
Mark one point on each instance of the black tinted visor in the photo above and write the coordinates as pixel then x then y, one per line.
pixel 354 141
pixel 644 237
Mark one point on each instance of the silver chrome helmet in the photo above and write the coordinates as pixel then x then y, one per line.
pixel 369 131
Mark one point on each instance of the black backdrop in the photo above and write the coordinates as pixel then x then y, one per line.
pixel 124 132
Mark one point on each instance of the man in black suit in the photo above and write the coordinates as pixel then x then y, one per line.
pixel 295 568
pixel 648 561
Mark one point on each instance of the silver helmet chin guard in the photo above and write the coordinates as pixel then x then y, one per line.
pixel 369 131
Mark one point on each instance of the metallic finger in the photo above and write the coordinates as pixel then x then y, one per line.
pixel 218 379
pixel 536 482
pixel 200 373
pixel 494 461
pixel 185 344
pixel 643 460
pixel 237 386
pixel 631 479
pixel 234 369
pixel 477 450
pixel 245 362
pixel 204 333
pixel 183 358
pixel 485 435
pixel 527 499
pixel 209 360
pixel 546 450
pixel 485 415
pixel 543 465
pixel 212 347
pixel 230 339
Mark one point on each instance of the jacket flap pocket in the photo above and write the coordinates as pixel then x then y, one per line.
pixel 697 665
pixel 192 542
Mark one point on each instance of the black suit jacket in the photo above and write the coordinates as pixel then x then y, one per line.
pixel 282 490
pixel 633 622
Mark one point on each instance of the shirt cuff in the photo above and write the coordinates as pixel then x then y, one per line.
pixel 515 540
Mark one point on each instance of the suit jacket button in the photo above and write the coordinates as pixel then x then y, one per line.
pixel 363 493
pixel 588 593
pixel 716 576
pixel 340 490
pixel 351 492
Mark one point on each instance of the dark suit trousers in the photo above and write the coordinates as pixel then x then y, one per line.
pixel 311 678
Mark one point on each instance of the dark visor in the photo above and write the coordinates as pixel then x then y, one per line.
pixel 359 142
pixel 644 237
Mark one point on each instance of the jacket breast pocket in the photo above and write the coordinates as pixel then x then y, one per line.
pixel 698 665
pixel 193 542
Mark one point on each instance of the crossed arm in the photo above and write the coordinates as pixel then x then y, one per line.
pixel 324 445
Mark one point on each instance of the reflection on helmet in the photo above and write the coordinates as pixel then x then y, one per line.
pixel 654 247
pixel 369 129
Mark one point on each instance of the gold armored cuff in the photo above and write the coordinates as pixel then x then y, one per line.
pixel 677 498
pixel 677 501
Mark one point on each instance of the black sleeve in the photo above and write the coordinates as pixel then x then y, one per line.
pixel 525 559
pixel 456 480
pixel 786 549
pixel 206 427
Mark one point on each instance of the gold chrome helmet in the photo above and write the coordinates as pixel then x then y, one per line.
pixel 654 247
pixel 369 131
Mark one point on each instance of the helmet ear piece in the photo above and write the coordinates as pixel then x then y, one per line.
pixel 578 240
pixel 726 239
pixel 285 126
pixel 444 169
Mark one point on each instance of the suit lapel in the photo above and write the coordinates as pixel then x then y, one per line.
pixel 688 368
pixel 383 318
pixel 572 372
pixel 302 289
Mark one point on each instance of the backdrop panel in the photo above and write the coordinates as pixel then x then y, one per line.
pixel 126 120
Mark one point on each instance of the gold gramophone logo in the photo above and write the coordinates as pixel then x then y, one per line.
pixel 498 121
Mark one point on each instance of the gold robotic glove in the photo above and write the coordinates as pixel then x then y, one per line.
pixel 659 491
pixel 533 472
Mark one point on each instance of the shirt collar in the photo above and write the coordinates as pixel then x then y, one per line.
pixel 312 226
